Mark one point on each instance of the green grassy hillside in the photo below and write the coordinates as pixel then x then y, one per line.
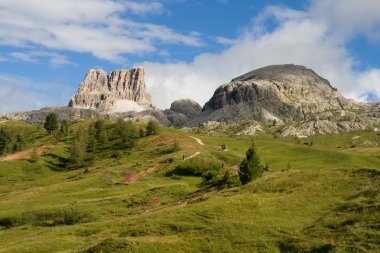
pixel 320 195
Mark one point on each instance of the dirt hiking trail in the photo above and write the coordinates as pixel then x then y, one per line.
pixel 25 154
pixel 199 141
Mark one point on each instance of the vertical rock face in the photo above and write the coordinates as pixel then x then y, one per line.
pixel 122 90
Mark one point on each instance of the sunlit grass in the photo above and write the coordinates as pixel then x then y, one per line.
pixel 319 196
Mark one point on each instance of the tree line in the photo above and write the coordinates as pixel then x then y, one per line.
pixel 104 135
pixel 16 138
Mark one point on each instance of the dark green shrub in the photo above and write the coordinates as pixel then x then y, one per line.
pixel 208 169
pixel 8 222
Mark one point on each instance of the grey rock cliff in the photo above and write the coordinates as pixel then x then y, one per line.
pixel 121 90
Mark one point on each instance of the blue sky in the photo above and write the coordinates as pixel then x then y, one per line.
pixel 188 48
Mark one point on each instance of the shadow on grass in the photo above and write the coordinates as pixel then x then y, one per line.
pixel 67 215
pixel 57 163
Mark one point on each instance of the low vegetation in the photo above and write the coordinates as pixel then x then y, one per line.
pixel 67 215
pixel 206 167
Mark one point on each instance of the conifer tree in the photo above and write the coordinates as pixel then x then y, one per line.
pixel 126 133
pixel 78 150
pixel 251 167
pixel 64 130
pixel 51 123
pixel 101 135
pixel 4 141
pixel 91 141
pixel 152 127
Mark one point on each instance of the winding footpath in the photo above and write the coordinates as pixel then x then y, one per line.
pixel 199 141
pixel 134 176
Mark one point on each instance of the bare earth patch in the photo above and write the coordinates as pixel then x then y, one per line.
pixel 133 176
pixel 25 154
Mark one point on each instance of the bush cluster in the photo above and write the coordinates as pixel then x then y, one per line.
pixel 208 169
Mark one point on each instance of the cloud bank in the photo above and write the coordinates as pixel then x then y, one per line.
pixel 104 28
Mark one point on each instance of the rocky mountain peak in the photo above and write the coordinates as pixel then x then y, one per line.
pixel 275 93
pixel 122 90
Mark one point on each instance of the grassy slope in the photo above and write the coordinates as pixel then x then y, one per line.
pixel 313 199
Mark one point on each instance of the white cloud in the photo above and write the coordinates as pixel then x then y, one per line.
pixel 23 57
pixel 225 41
pixel 348 18
pixel 300 38
pixel 143 8
pixel 370 81
pixel 98 27
pixel 55 59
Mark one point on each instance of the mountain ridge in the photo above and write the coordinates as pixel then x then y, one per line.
pixel 290 99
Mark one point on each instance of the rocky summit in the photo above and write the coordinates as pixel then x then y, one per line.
pixel 120 91
pixel 291 97
pixel 275 93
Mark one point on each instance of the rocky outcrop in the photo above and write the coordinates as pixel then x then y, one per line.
pixel 326 127
pixel 120 91
pixel 181 111
pixel 275 92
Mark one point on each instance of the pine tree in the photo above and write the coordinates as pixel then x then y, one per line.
pixel 126 133
pixel 91 141
pixel 51 123
pixel 101 135
pixel 64 130
pixel 4 141
pixel 251 167
pixel 78 150
pixel 152 127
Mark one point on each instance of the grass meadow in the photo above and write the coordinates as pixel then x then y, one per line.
pixel 321 194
